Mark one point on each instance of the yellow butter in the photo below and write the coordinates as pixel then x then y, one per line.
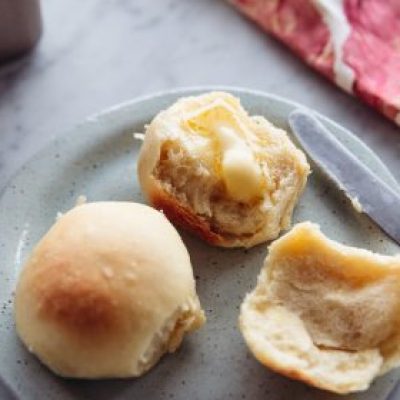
pixel 224 148
pixel 240 171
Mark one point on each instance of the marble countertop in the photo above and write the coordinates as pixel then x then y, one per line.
pixel 94 54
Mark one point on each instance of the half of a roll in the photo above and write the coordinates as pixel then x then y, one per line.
pixel 231 178
pixel 324 313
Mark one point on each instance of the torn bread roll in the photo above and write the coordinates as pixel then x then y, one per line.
pixel 106 292
pixel 231 178
pixel 324 313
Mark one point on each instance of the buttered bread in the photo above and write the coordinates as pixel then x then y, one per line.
pixel 231 178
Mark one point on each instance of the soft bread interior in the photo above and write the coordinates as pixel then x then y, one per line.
pixel 239 174
pixel 187 318
pixel 325 313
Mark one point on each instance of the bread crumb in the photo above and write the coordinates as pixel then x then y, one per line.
pixel 356 204
pixel 138 136
pixel 82 199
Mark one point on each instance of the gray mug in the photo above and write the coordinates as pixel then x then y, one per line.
pixel 20 27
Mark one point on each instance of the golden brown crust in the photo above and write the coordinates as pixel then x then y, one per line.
pixel 183 216
pixel 88 302
pixel 85 308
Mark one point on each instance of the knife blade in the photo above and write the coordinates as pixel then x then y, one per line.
pixel 376 198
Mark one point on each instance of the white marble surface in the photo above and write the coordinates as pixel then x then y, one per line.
pixel 97 53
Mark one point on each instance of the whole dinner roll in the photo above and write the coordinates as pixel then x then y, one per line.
pixel 106 292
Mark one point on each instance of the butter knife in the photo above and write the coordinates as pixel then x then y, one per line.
pixel 365 189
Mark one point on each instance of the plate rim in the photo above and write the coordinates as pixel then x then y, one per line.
pixel 63 134
pixel 185 91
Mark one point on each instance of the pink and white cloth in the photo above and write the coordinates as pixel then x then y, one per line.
pixel 355 43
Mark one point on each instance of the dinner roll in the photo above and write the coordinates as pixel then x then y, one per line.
pixel 324 313
pixel 231 178
pixel 106 292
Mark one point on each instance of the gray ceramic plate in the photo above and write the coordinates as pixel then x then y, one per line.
pixel 97 158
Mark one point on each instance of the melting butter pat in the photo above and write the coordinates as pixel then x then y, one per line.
pixel 240 171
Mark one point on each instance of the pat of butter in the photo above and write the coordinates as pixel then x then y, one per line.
pixel 241 172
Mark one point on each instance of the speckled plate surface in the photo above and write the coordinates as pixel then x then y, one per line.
pixel 98 159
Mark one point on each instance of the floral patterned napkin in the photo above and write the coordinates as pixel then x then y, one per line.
pixel 355 43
